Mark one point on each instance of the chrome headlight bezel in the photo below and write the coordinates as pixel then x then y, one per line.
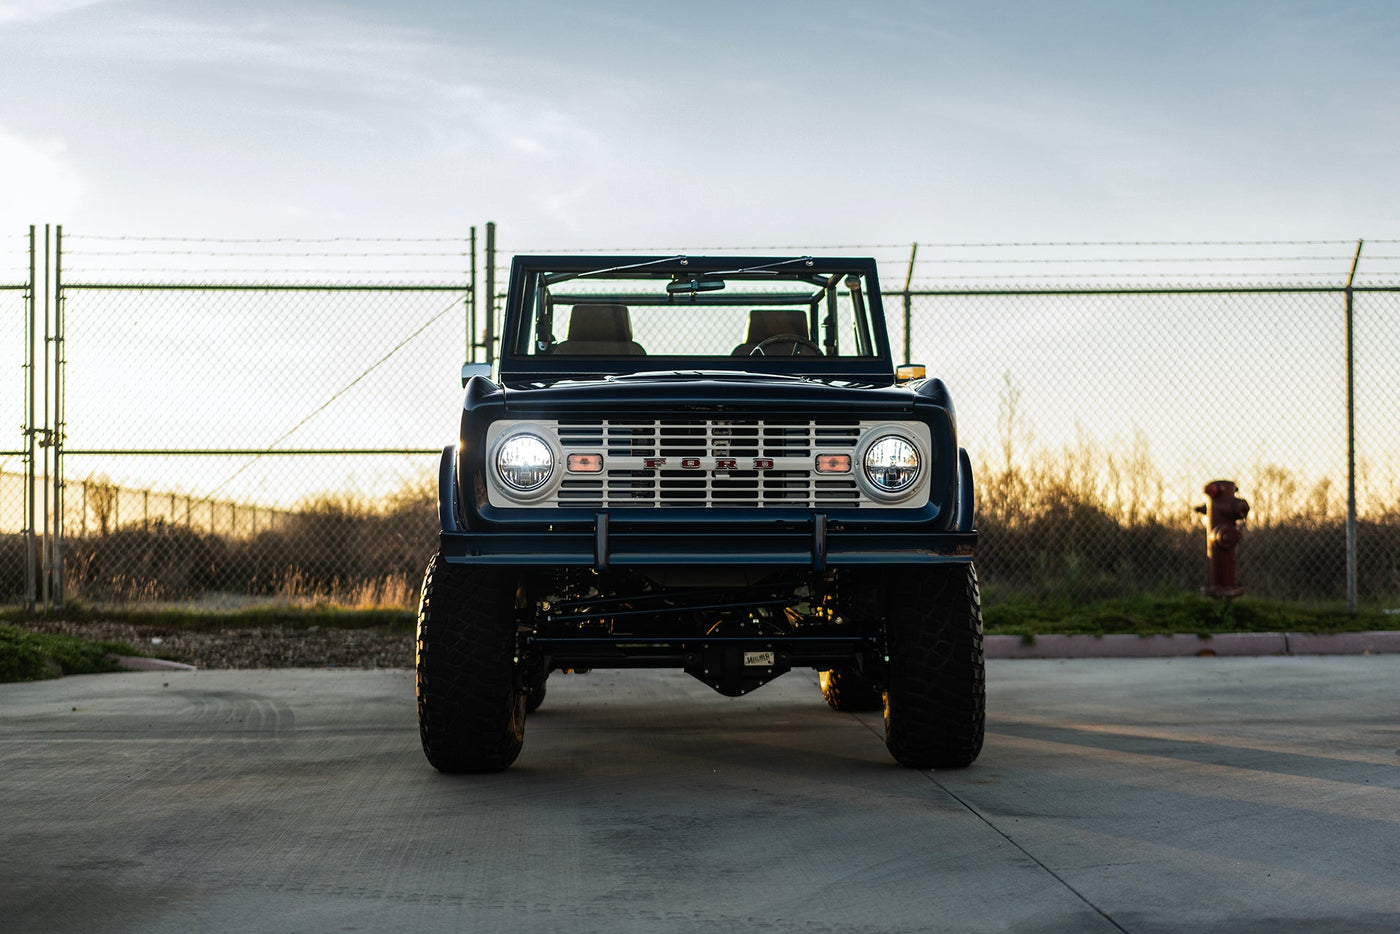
pixel 894 463
pixel 524 463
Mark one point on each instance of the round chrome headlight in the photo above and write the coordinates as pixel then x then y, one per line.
pixel 524 463
pixel 892 464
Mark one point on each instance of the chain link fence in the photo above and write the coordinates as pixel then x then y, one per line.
pixel 238 421
pixel 1105 415
pixel 244 421
pixel 16 343
pixel 1097 411
pixel 1100 386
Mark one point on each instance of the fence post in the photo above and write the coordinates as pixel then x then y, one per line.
pixel 31 575
pixel 45 542
pixel 489 337
pixel 59 424
pixel 908 306
pixel 1351 440
pixel 471 306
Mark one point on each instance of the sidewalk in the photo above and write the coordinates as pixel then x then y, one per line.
pixel 1235 643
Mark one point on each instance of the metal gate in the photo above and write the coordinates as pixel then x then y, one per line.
pixel 214 406
pixel 19 297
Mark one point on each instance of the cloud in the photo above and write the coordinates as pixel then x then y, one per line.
pixel 14 11
pixel 38 181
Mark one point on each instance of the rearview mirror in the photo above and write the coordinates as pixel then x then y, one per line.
pixel 694 285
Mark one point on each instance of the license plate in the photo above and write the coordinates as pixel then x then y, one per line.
pixel 759 659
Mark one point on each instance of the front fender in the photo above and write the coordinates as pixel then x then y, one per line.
pixel 449 511
pixel 967 501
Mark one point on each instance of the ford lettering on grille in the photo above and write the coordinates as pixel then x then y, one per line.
pixel 711 463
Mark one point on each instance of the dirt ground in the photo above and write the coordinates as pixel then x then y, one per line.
pixel 270 647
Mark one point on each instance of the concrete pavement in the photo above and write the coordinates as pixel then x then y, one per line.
pixel 1207 794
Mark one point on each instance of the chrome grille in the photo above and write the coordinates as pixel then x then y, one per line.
pixel 739 463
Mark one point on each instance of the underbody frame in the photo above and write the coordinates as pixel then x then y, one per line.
pixel 734 515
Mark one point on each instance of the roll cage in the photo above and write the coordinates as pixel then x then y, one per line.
pixel 541 284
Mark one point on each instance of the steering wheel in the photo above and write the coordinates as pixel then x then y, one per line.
pixel 795 339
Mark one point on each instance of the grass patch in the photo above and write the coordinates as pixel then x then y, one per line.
pixel 32 656
pixel 1168 615
pixel 199 619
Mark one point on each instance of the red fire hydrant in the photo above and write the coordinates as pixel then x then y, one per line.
pixel 1223 538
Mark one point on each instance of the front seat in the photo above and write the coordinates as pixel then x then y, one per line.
pixel 600 330
pixel 774 322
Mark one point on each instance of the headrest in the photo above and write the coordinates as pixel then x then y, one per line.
pixel 768 322
pixel 600 323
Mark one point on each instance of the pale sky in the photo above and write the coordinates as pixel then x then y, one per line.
pixel 629 125
pixel 610 124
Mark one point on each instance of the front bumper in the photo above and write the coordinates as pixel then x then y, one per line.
pixel 646 539
pixel 613 543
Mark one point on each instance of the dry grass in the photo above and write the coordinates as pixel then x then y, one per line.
pixel 1077 523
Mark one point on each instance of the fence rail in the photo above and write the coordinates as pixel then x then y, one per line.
pixel 269 412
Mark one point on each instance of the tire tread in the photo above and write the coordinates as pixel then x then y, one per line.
pixel 471 711
pixel 935 703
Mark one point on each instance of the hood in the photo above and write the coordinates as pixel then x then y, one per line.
pixel 705 391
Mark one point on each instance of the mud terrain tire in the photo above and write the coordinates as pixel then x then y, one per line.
pixel 935 704
pixel 471 709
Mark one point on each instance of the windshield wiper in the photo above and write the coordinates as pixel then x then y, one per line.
pixel 766 269
pixel 556 277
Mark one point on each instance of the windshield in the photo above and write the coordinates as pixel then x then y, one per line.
pixel 719 311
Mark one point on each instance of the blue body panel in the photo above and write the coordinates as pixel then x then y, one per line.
pixel 938 530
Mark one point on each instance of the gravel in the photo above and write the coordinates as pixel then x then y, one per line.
pixel 262 647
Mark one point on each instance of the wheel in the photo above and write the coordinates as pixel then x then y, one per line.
pixel 471 709
pixel 850 691
pixel 936 700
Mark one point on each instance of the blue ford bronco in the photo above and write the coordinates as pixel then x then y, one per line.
pixel 708 464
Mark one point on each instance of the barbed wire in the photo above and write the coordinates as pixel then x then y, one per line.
pixel 1106 283
pixel 1118 275
pixel 938 262
pixel 141 239
pixel 940 245
pixel 379 254
pixel 262 270
pixel 1138 259
pixel 976 245
pixel 1013 261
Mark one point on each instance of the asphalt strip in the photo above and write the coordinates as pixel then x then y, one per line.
pixel 1104 646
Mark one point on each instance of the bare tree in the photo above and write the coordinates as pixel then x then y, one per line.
pixel 101 495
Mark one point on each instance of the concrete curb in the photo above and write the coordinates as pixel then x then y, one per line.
pixel 139 663
pixel 1109 646
pixel 1180 646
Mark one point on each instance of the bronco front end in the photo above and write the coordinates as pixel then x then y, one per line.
pixel 709 464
